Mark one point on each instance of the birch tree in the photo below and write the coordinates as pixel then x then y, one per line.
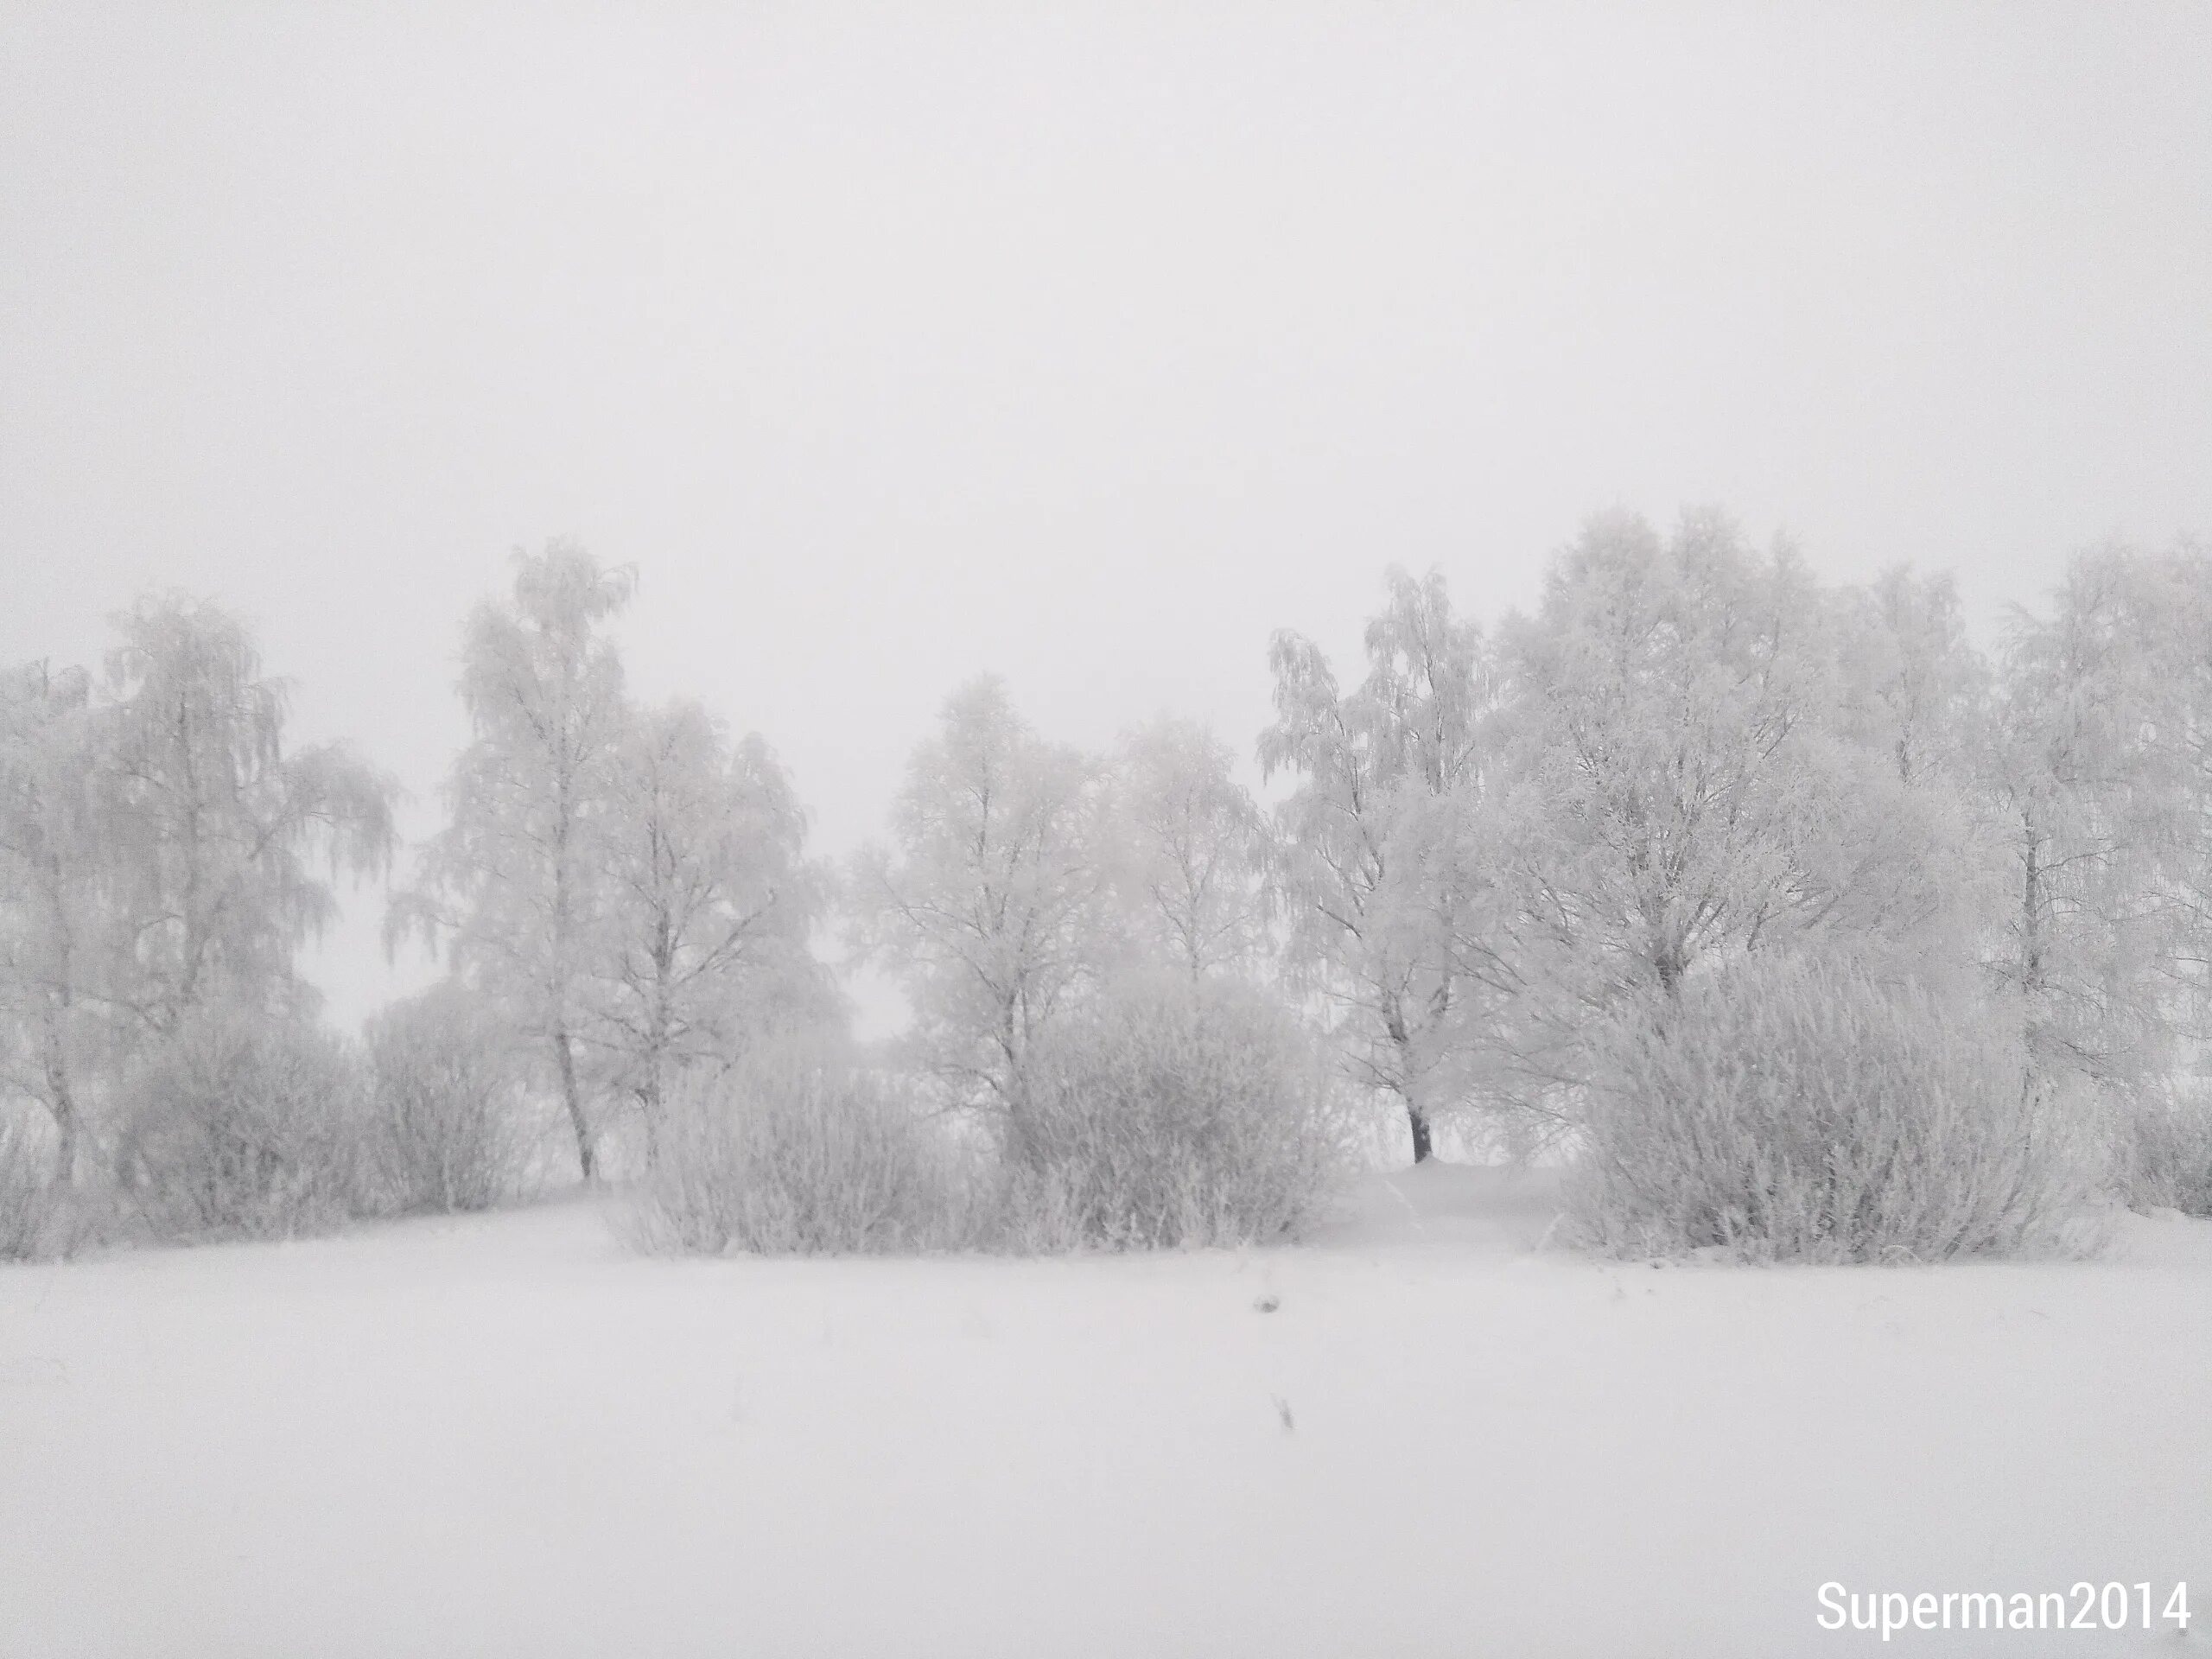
pixel 991 904
pixel 1916 688
pixel 1919 718
pixel 1680 719
pixel 224 842
pixel 1379 865
pixel 1188 850
pixel 2102 772
pixel 712 904
pixel 50 870
pixel 516 887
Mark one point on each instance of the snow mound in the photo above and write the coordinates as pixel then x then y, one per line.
pixel 2163 1238
pixel 1497 1209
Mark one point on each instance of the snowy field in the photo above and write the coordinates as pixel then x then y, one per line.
pixel 509 1436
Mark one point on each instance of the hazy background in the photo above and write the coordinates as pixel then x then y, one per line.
pixel 1085 343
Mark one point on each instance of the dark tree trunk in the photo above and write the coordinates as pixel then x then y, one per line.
pixel 61 1099
pixel 572 1097
pixel 649 1107
pixel 1419 1119
pixel 2032 956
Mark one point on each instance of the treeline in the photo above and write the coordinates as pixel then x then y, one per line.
pixel 1799 923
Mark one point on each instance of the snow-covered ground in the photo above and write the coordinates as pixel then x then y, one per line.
pixel 509 1436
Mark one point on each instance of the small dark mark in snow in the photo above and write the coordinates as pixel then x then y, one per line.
pixel 1282 1410
pixel 1268 1303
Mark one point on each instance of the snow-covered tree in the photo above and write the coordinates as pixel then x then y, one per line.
pixel 516 886
pixel 711 908
pixel 1681 735
pixel 991 904
pixel 1918 718
pixel 223 842
pixel 1380 865
pixel 1189 848
pixel 1916 689
pixel 51 856
pixel 2102 771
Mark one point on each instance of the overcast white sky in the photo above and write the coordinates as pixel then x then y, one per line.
pixel 1085 343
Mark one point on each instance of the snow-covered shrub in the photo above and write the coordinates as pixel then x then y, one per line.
pixel 1784 1110
pixel 1170 1113
pixel 2167 1153
pixel 241 1125
pixel 445 1125
pixel 794 1151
